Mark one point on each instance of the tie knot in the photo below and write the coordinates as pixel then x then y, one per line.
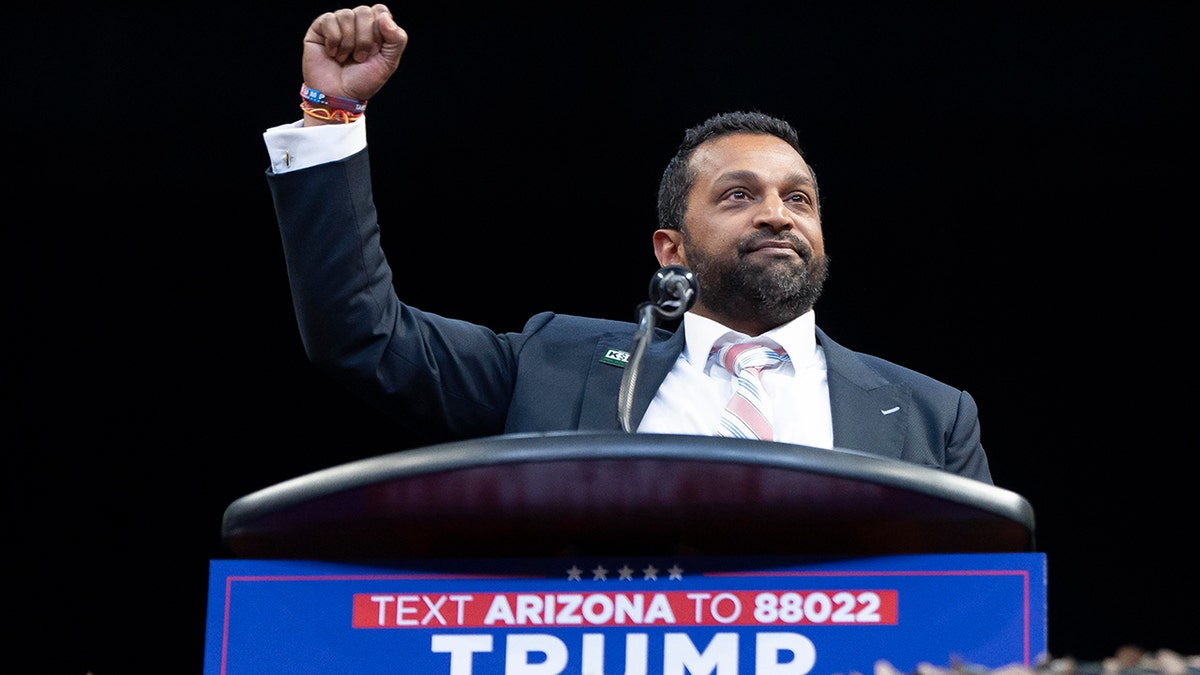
pixel 738 356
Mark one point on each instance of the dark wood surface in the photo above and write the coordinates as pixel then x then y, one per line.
pixel 554 494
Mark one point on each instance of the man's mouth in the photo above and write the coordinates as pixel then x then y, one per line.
pixel 776 246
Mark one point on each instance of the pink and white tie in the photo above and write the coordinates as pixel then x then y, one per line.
pixel 748 413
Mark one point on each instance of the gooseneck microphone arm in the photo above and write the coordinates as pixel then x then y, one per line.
pixel 672 293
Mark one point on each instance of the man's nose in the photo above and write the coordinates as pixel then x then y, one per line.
pixel 773 213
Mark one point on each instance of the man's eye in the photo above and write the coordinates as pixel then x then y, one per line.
pixel 801 198
pixel 739 194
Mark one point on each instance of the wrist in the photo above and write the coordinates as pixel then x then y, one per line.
pixel 322 108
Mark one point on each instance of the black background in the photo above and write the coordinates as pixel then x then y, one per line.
pixel 1008 206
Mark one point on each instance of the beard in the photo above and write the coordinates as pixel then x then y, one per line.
pixel 775 292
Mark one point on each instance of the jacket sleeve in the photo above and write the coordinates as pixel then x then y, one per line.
pixel 964 452
pixel 440 378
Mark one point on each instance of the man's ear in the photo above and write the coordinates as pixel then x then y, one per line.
pixel 668 248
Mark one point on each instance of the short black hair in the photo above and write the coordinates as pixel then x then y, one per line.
pixel 677 181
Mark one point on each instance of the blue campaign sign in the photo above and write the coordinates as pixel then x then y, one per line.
pixel 626 616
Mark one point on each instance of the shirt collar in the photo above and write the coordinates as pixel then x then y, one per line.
pixel 798 337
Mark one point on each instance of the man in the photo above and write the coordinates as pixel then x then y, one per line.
pixel 738 206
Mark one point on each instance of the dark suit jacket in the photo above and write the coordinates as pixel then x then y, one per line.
pixel 447 379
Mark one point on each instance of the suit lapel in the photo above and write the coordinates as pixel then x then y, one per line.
pixel 870 414
pixel 604 379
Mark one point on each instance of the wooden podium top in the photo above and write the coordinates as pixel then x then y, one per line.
pixel 570 493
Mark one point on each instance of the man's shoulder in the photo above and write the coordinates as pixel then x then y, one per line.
pixel 573 328
pixel 575 323
pixel 856 364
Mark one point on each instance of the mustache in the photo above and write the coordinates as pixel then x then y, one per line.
pixel 759 239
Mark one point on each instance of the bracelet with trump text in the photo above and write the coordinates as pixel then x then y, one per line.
pixel 330 108
pixel 323 100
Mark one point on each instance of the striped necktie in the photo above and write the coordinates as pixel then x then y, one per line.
pixel 748 413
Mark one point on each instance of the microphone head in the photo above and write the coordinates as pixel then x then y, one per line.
pixel 673 291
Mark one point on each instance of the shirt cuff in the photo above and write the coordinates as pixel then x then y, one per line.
pixel 294 146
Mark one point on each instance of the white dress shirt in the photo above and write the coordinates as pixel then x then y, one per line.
pixel 696 390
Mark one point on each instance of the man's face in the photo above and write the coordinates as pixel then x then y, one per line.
pixel 752 234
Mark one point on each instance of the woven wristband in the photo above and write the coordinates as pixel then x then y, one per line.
pixel 350 105
pixel 328 114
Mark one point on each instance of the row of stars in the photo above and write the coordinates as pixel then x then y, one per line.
pixel 625 573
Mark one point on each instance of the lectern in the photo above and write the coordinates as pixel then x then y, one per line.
pixel 596 553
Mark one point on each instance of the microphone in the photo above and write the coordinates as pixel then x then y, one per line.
pixel 672 293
